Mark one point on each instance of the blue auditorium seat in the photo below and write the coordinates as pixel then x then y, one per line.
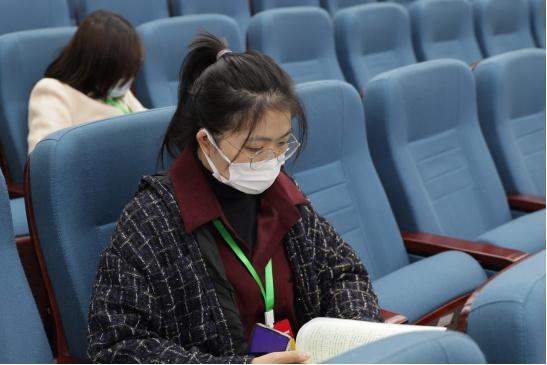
pixel 24 57
pixel 75 211
pixel 22 335
pixel 237 9
pixel 428 347
pixel 332 6
pixel 300 39
pixel 371 39
pixel 537 8
pixel 17 15
pixel 135 11
pixel 336 173
pixel 434 163
pixel 444 29
pixel 261 5
pixel 166 43
pixel 502 25
pixel 511 103
pixel 507 318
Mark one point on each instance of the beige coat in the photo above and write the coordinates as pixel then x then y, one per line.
pixel 54 105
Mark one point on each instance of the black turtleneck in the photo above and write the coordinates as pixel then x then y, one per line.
pixel 239 208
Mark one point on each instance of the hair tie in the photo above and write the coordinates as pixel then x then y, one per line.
pixel 223 52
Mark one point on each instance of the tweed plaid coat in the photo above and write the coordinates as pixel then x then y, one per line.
pixel 154 301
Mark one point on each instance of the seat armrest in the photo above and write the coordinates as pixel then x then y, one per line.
pixel 489 256
pixel 14 190
pixel 392 317
pixel 526 203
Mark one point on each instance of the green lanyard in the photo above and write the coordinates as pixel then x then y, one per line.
pixel 267 294
pixel 116 104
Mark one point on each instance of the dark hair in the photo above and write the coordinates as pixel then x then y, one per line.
pixel 229 94
pixel 104 51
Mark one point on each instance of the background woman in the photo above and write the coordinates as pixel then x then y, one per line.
pixel 90 79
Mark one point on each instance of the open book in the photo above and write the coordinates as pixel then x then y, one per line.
pixel 325 338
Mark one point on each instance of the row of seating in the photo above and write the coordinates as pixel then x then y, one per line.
pixel 23 340
pixel 18 15
pixel 371 39
pixel 512 117
pixel 363 42
pixel 500 26
pixel 337 173
pixel 501 18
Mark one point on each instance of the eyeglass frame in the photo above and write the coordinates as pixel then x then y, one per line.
pixel 275 153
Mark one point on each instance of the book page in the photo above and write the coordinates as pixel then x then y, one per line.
pixel 326 338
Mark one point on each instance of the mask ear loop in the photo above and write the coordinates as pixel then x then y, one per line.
pixel 216 172
pixel 214 144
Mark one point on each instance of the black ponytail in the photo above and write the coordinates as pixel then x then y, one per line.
pixel 203 53
pixel 227 94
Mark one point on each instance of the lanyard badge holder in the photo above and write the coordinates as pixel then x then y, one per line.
pixel 265 338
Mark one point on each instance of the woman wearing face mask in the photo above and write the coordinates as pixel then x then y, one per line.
pixel 90 79
pixel 225 241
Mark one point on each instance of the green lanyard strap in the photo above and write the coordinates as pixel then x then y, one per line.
pixel 267 294
pixel 116 104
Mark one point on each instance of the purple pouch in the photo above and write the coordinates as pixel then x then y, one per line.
pixel 265 340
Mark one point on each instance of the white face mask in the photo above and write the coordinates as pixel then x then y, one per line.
pixel 242 177
pixel 119 91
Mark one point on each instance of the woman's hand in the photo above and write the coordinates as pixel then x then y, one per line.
pixel 285 357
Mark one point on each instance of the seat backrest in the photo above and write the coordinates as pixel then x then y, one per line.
pixel 502 25
pixel 537 8
pixel 332 6
pixel 80 180
pixel 24 57
pixel 22 335
pixel 17 15
pixel 261 5
pixel 444 29
pixel 135 11
pixel 237 9
pixel 166 43
pixel 300 39
pixel 512 306
pixel 371 39
pixel 335 171
pixel 511 102
pixel 423 347
pixel 429 150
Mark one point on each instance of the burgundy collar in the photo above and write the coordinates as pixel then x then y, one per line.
pixel 198 204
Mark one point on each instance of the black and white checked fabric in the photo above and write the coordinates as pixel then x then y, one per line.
pixel 154 302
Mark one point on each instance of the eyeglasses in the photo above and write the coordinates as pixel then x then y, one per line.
pixel 282 153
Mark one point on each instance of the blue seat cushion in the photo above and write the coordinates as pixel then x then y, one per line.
pixel 507 318
pixel 19 217
pixel 428 347
pixel 526 233
pixel 425 285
